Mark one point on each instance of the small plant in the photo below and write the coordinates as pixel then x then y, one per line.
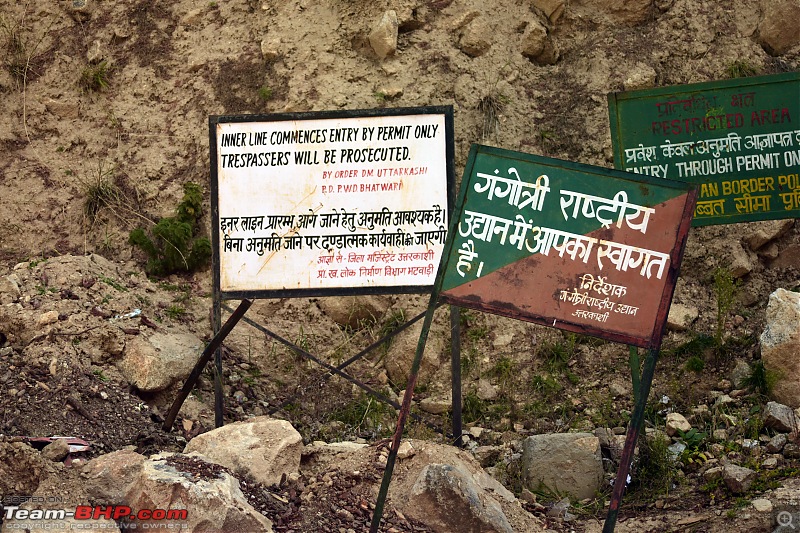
pixel 474 408
pixel 504 370
pixel 726 288
pixel 760 379
pixel 363 414
pixel 21 49
pixel 100 193
pixel 656 471
pixel 695 363
pixel 491 106
pixel 469 360
pixel 741 69
pixel 173 246
pixel 95 77
pixel 557 354
pixel 175 312
pixel 380 96
pixel 265 93
pixel 396 319
pixel 115 284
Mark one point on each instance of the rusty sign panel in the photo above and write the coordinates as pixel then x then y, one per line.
pixel 330 203
pixel 739 140
pixel 572 246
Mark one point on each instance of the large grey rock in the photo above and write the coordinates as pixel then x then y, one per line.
pixel 569 463
pixel 775 33
pixel 780 345
pixel 383 37
pixel 448 499
pixel 760 233
pixel 109 477
pixel 738 478
pixel 264 447
pixel 154 363
pixel 779 417
pixel 213 502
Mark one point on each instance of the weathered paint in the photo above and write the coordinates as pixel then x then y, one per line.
pixel 325 203
pixel 739 140
pixel 573 284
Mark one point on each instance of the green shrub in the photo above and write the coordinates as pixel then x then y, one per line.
pixel 95 77
pixel 172 245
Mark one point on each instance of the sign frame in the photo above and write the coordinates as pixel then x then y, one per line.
pixel 649 340
pixel 448 164
pixel 695 129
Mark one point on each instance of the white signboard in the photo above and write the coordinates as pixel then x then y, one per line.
pixel 314 203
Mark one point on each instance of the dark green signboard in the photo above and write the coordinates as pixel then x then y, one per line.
pixel 572 246
pixel 739 140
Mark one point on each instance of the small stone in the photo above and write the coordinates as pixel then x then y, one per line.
pixel 383 38
pixel 723 400
pixel 677 422
pixel 81 10
pixel 738 478
pixel 713 473
pixel 50 317
pixel 270 49
pixel 405 450
pixel 762 505
pixel 779 417
pixel 791 451
pixel 57 450
pixel 770 463
pixel 776 443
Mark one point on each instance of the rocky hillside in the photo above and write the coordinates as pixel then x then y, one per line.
pixel 106 112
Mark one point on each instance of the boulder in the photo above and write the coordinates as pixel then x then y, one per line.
pixel 263 447
pixel 212 499
pixel 760 233
pixel 780 344
pixel 738 478
pixel 109 477
pixel 779 417
pixel 775 35
pixel 154 363
pixel 448 499
pixel 568 463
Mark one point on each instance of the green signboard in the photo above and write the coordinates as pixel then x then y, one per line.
pixel 739 140
pixel 572 246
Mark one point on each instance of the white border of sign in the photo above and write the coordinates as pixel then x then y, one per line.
pixel 352 202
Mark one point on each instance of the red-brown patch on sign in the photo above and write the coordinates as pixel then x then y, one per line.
pixel 531 289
